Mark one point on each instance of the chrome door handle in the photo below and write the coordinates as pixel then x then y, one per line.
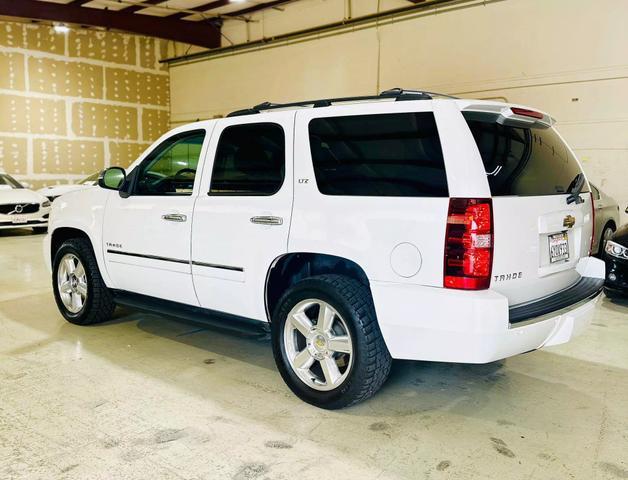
pixel 174 217
pixel 267 220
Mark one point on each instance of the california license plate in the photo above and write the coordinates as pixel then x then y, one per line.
pixel 19 219
pixel 558 247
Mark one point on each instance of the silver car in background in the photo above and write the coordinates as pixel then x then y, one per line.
pixel 606 219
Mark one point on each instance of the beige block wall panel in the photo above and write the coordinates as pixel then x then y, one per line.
pixel 122 154
pixel 37 184
pixel 13 155
pixel 136 87
pixel 44 39
pixel 100 120
pixel 164 52
pixel 11 35
pixel 68 156
pixel 58 77
pixel 32 115
pixel 106 46
pixel 55 123
pixel 12 70
pixel 154 123
pixel 148 52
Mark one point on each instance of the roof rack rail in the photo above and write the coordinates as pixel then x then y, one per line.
pixel 398 94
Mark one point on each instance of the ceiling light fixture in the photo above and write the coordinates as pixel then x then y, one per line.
pixel 61 28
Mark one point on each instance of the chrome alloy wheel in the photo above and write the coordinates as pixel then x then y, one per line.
pixel 318 344
pixel 72 283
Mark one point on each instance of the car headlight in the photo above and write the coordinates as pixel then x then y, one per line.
pixel 616 250
pixel 45 204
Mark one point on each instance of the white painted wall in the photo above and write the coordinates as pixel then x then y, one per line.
pixel 568 57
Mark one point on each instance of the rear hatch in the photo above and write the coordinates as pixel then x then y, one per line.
pixel 540 233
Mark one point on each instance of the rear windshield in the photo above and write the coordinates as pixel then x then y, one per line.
pixel 388 155
pixel 522 161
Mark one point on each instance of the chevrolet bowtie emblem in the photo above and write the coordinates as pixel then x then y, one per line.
pixel 569 221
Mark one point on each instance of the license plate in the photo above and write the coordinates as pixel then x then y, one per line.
pixel 19 219
pixel 558 247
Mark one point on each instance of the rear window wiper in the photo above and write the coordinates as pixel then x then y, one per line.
pixel 574 190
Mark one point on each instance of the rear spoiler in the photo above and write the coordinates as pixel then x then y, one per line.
pixel 511 116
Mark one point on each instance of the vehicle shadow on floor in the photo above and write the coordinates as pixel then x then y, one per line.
pixel 19 232
pixel 617 304
pixel 427 390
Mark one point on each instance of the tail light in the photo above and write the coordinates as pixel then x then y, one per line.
pixel 593 226
pixel 526 113
pixel 469 244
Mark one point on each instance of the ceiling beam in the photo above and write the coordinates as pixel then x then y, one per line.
pixel 195 33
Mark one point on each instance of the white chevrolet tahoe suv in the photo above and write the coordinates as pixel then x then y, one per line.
pixel 357 230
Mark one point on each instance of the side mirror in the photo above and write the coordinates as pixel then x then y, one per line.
pixel 626 209
pixel 112 178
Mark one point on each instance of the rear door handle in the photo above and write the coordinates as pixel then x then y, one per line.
pixel 174 217
pixel 267 220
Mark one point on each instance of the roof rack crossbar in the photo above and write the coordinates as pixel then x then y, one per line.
pixel 398 94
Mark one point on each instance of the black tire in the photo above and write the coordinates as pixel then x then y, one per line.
pixel 371 360
pixel 38 230
pixel 99 305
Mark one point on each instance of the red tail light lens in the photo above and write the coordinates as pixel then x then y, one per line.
pixel 526 113
pixel 469 244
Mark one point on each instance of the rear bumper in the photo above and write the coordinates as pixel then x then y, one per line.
pixel 437 324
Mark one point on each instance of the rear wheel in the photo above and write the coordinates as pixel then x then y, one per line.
pixel 80 292
pixel 327 343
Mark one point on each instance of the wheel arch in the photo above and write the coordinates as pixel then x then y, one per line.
pixel 610 223
pixel 61 234
pixel 289 268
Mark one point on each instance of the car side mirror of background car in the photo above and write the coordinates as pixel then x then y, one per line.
pixel 112 178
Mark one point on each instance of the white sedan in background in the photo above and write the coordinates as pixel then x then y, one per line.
pixel 21 207
pixel 55 191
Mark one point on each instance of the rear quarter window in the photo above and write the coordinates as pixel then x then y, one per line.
pixel 388 155
pixel 522 161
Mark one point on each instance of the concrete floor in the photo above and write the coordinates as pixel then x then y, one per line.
pixel 148 397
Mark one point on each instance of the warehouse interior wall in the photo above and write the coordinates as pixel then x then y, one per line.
pixel 549 54
pixel 72 104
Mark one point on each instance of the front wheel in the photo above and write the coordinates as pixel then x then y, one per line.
pixel 80 292
pixel 327 344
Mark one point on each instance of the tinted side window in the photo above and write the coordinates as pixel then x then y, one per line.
pixel 390 155
pixel 522 161
pixel 170 169
pixel 250 160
